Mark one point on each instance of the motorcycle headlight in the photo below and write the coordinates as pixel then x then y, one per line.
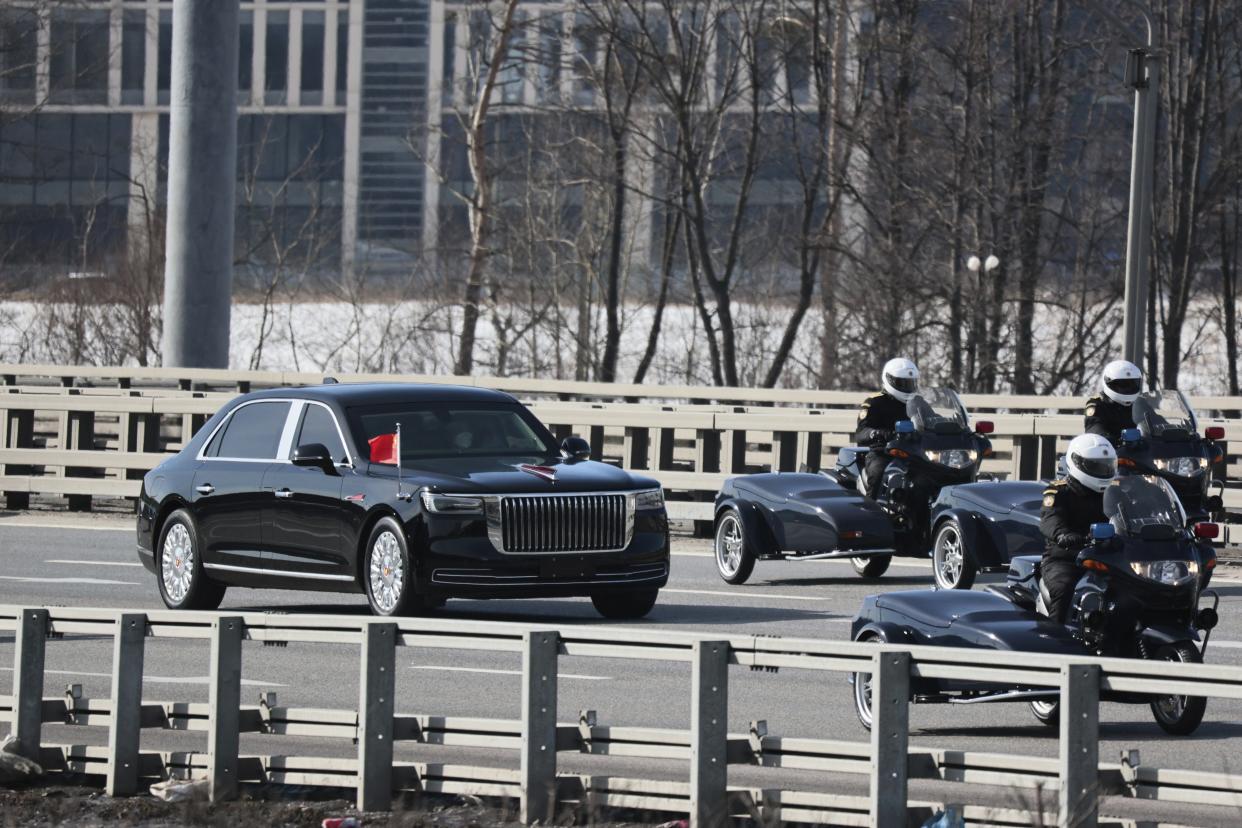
pixel 649 499
pixel 954 458
pixel 1170 573
pixel 441 504
pixel 1182 466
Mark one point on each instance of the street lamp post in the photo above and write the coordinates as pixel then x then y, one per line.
pixel 1143 76
pixel 979 267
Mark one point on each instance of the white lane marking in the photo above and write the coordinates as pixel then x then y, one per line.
pixel 746 594
pixel 12 524
pixel 93 581
pixel 154 679
pixel 94 563
pixel 913 564
pixel 1228 645
pixel 496 672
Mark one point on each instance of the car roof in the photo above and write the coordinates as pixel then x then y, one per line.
pixel 382 393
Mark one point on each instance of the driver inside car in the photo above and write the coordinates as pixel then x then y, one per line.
pixel 877 419
pixel 1071 504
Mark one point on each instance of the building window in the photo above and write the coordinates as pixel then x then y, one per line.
pixel 276 69
pixel 312 57
pixel 18 36
pixel 133 55
pixel 245 56
pixel 78 63
pixel 164 75
pixel 342 53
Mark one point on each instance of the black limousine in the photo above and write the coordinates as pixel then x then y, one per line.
pixel 411 494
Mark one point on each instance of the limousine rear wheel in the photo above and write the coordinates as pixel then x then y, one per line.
pixel 629 605
pixel 180 567
pixel 387 573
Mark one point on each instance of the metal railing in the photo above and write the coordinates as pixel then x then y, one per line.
pixel 707 797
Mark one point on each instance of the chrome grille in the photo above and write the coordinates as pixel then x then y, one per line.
pixel 563 523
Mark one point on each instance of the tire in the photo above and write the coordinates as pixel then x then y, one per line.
pixel 872 567
pixel 387 573
pixel 1179 715
pixel 1048 712
pixel 625 606
pixel 735 560
pixel 179 567
pixel 861 686
pixel 953 565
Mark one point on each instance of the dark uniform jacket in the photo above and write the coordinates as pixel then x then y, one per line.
pixel 1069 509
pixel 877 419
pixel 1107 418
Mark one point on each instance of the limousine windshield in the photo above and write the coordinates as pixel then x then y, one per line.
pixel 438 430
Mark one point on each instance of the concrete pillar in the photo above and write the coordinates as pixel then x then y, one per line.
pixel 202 173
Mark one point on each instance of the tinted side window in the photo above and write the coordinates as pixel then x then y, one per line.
pixel 254 430
pixel 319 427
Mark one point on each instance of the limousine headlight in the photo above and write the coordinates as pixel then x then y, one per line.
pixel 649 499
pixel 442 504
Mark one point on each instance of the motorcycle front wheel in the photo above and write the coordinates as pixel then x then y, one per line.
pixel 1179 715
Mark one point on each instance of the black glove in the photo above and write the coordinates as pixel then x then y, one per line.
pixel 1072 540
pixel 880 438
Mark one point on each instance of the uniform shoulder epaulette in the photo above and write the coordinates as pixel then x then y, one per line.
pixel 1092 402
pixel 873 398
pixel 1050 493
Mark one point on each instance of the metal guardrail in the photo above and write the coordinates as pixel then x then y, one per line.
pixel 537 736
pixel 85 444
pixel 242 381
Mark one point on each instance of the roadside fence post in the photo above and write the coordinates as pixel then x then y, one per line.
pixel 539 672
pixel 28 681
pixel 225 707
pixel 1080 746
pixel 890 738
pixel 709 729
pixel 126 730
pixel 377 685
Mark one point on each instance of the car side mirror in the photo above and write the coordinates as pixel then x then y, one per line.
pixel 313 454
pixel 1103 531
pixel 904 427
pixel 1131 435
pixel 575 449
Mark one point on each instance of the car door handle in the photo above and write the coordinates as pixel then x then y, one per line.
pixel 284 493
pixel 205 489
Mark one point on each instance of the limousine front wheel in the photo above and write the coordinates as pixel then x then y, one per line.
pixel 182 582
pixel 389 577
pixel 625 605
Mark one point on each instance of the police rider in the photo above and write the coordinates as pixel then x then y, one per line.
pixel 1111 411
pixel 877 420
pixel 1071 504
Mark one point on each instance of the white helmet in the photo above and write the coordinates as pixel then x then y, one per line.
pixel 1122 381
pixel 900 378
pixel 1092 461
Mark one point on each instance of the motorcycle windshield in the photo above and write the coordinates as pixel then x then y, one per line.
pixel 1164 414
pixel 1131 503
pixel 937 411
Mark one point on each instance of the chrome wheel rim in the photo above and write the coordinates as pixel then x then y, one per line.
pixel 729 546
pixel 387 572
pixel 177 563
pixel 1043 709
pixel 1171 708
pixel 862 696
pixel 949 557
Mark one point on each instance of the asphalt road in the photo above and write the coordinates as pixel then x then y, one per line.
pixel 52 559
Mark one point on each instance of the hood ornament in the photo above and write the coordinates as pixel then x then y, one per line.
pixel 545 472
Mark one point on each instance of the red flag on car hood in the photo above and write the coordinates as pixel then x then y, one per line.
pixel 385 448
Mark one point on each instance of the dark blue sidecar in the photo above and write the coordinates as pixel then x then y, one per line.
pixel 980 527
pixel 788 516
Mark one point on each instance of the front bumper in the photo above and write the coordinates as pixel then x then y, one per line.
pixel 457 559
